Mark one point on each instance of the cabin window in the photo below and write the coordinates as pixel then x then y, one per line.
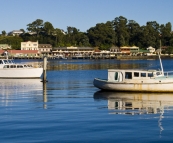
pixel 143 74
pixel 19 66
pixel 136 74
pixel 12 66
pixel 128 75
pixel 1 62
pixel 150 74
pixel 116 76
pixel 5 66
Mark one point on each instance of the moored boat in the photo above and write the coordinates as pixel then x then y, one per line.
pixel 136 80
pixel 10 69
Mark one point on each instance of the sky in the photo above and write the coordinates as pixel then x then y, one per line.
pixel 81 14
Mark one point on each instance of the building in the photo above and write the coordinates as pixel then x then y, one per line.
pixel 5 46
pixel 15 32
pixel 21 53
pixel 29 45
pixel 44 48
pixel 151 49
pixel 115 49
pixel 73 50
pixel 129 50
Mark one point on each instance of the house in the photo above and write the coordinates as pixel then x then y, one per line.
pixel 15 32
pixel 129 50
pixel 151 49
pixel 29 45
pixel 114 49
pixel 44 48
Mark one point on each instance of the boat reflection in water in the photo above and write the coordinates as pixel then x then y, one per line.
pixel 22 89
pixel 137 103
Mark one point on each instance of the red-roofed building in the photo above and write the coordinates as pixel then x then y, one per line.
pixel 21 53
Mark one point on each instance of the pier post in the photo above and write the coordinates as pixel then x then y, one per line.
pixel 44 69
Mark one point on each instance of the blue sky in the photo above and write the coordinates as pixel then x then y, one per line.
pixel 82 14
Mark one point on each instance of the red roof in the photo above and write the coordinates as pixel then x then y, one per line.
pixel 20 51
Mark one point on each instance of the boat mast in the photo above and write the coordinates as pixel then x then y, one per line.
pixel 159 53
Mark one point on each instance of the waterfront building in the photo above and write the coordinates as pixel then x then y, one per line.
pixel 29 45
pixel 21 53
pixel 151 49
pixel 73 50
pixel 129 50
pixel 44 48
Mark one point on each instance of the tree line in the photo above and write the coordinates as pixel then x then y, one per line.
pixel 118 32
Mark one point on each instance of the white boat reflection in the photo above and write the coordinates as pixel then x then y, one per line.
pixel 136 103
pixel 13 90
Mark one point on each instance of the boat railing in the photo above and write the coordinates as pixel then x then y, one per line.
pixel 34 64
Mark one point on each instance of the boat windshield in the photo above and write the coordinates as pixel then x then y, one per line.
pixel 10 62
pixel 5 61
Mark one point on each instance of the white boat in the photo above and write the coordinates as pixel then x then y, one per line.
pixel 11 70
pixel 136 80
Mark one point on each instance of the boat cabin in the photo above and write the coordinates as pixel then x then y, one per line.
pixel 126 75
pixel 7 63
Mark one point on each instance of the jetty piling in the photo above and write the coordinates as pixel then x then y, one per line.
pixel 44 69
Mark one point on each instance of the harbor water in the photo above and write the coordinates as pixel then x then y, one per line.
pixel 69 109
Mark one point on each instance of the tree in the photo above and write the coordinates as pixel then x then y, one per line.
pixel 102 35
pixel 3 32
pixel 36 26
pixel 165 31
pixel 22 31
pixel 48 27
pixel 134 33
pixel 121 31
pixel 59 35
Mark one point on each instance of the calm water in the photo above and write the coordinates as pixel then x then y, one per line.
pixel 70 109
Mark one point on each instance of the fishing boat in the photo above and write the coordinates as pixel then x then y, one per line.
pixel 11 70
pixel 136 80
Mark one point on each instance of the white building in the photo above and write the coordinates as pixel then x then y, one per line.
pixel 15 32
pixel 29 45
pixel 151 49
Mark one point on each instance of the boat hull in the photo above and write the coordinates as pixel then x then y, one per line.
pixel 23 73
pixel 133 87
